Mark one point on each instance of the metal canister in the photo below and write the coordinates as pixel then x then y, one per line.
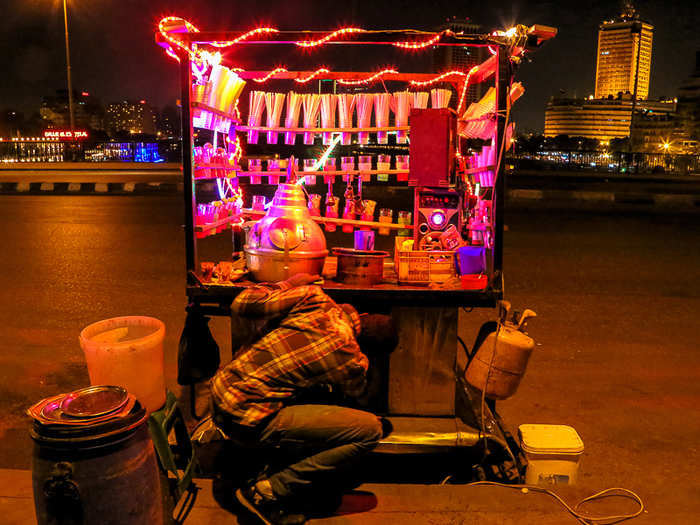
pixel 286 241
pixel 94 461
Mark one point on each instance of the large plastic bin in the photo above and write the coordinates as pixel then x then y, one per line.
pixel 127 352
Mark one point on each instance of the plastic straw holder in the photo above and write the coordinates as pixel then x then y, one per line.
pixel 553 453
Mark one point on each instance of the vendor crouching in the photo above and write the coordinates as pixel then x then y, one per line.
pixel 305 344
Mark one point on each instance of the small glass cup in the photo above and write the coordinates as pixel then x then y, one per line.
pixel 223 270
pixel 402 164
pixel 314 204
pixel 349 214
pixel 385 215
pixel 383 163
pixel 364 165
pixel 207 271
pixel 329 166
pixel 255 165
pixel 258 202
pixel 368 208
pixel 273 165
pixel 403 217
pixel 332 204
pixel 347 164
pixel 309 164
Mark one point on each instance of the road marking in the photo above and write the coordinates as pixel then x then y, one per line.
pixel 74 186
pixel 46 186
pixel 594 196
pixel 673 201
pixel 22 186
pixel 526 194
pixel 129 186
pixel 101 187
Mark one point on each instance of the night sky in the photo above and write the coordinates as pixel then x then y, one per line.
pixel 114 56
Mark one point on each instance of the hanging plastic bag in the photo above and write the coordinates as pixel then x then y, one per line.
pixel 198 356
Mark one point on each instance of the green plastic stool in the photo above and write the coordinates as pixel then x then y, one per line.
pixel 178 456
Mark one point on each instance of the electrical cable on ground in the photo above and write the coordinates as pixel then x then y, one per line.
pixel 582 518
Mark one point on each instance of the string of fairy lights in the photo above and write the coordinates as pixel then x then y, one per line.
pixel 170 27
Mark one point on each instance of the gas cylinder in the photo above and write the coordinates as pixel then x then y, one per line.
pixel 499 363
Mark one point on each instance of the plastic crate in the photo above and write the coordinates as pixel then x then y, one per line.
pixel 422 267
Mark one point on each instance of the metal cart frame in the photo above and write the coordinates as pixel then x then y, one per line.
pixel 419 426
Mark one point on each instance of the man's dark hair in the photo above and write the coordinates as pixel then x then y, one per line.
pixel 378 334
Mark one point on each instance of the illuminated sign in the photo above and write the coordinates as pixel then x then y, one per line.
pixel 65 134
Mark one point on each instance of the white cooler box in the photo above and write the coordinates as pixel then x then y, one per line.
pixel 553 453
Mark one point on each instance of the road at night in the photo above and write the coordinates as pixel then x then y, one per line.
pixel 617 298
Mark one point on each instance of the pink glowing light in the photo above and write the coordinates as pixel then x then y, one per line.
pixel 368 80
pixel 246 36
pixel 269 75
pixel 465 86
pixel 312 75
pixel 419 45
pixel 438 78
pixel 330 36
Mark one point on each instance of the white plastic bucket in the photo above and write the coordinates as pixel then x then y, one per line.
pixel 553 453
pixel 127 352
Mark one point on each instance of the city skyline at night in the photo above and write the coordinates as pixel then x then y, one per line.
pixel 114 55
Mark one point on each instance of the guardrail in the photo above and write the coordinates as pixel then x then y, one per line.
pixel 611 162
pixel 47 151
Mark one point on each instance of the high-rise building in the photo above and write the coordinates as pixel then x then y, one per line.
pixel 624 55
pixel 461 58
pixel 600 119
pixel 130 117
pixel 88 110
pixel 689 102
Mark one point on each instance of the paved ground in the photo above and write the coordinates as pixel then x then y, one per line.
pixel 618 297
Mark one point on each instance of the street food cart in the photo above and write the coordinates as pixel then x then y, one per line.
pixel 373 167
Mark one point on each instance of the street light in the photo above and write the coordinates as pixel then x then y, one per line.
pixel 70 83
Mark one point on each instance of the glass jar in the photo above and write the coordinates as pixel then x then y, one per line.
pixel 402 165
pixel 383 163
pixel 332 203
pixel 385 215
pixel 347 164
pixel 403 217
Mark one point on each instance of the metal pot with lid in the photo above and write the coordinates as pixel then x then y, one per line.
pixel 286 241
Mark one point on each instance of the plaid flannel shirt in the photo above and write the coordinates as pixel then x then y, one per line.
pixel 313 343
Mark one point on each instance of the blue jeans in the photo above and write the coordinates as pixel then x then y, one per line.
pixel 323 439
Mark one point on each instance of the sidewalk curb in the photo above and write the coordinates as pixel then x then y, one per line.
pixel 629 201
pixel 90 188
pixel 516 197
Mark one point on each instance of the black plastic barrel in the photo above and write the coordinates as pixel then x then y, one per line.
pixel 96 474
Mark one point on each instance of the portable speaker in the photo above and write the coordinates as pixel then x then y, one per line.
pixel 435 209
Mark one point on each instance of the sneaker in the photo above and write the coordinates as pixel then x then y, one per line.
pixel 267 510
